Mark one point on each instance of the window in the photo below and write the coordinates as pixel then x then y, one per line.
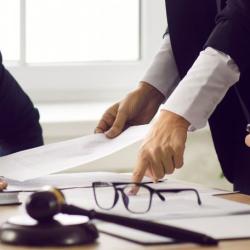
pixel 9 26
pixel 79 50
pixel 82 30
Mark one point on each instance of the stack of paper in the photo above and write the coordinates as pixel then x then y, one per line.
pixel 9 198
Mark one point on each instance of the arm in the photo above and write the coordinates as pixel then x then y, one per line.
pixel 204 86
pixel 228 56
pixel 156 85
pixel 231 37
pixel 232 32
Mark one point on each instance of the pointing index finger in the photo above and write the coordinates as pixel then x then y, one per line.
pixel 139 173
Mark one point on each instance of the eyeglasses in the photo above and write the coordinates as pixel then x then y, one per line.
pixel 139 203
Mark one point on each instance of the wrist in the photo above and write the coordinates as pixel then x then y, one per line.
pixel 151 91
pixel 174 119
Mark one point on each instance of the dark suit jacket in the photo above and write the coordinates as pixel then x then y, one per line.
pixel 224 25
pixel 19 119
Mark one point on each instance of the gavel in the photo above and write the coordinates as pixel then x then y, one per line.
pixel 44 205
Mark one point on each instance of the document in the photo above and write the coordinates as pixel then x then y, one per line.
pixel 83 180
pixel 69 180
pixel 220 228
pixel 9 198
pixel 56 157
pixel 176 206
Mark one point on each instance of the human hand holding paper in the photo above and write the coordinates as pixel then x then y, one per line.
pixel 138 107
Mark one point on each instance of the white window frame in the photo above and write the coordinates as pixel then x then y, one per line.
pixel 91 81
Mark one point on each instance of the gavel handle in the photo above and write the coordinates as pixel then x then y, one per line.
pixel 179 234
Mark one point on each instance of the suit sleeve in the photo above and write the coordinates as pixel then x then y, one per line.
pixel 232 32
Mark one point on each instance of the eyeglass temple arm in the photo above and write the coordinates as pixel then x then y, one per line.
pixel 134 183
pixel 178 234
pixel 178 190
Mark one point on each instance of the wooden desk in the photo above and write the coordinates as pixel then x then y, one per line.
pixel 106 242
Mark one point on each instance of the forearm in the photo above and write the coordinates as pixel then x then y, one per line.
pixel 203 88
pixel 162 73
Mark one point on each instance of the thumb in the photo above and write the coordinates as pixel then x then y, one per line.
pixel 118 125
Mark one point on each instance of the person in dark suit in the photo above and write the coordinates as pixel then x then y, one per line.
pixel 19 120
pixel 205 56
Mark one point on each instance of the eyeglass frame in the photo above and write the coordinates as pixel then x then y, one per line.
pixel 144 184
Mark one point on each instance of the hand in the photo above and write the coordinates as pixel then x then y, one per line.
pixel 137 108
pixel 162 150
pixel 3 184
pixel 247 140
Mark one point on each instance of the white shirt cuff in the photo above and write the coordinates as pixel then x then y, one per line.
pixel 204 86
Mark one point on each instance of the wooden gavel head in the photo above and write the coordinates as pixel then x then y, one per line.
pixel 43 205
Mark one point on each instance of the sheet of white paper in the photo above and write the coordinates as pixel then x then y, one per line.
pixel 220 228
pixel 60 156
pixel 176 206
pixel 68 180
pixel 223 227
pixel 133 234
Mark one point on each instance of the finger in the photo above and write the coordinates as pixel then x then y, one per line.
pixel 157 166
pixel 118 125
pixel 169 164
pixel 101 127
pixel 105 123
pixel 98 130
pixel 178 157
pixel 3 184
pixel 140 170
pixel 168 160
pixel 247 140
pixel 149 173
pixel 178 160
pixel 141 166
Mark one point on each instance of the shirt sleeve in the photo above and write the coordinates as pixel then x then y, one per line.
pixel 162 73
pixel 204 86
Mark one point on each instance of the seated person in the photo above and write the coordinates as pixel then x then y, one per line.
pixel 19 124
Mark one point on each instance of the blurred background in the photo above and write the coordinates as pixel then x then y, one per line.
pixel 76 57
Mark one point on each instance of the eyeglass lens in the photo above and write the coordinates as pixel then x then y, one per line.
pixel 105 195
pixel 139 203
